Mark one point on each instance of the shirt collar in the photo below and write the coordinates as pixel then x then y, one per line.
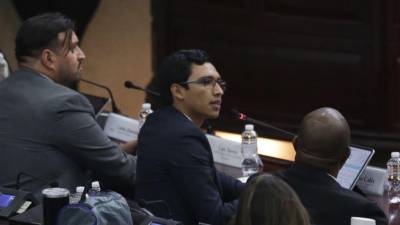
pixel 41 74
pixel 48 78
pixel 187 116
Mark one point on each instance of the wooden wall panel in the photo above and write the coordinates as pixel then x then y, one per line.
pixel 284 58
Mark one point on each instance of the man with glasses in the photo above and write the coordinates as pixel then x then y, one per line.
pixel 175 163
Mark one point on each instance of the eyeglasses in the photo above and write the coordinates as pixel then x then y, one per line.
pixel 207 82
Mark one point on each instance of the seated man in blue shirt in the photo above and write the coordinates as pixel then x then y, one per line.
pixel 175 163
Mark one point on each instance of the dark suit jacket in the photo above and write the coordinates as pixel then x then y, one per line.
pixel 326 201
pixel 175 165
pixel 49 131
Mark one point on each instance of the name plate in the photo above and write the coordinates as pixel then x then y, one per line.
pixel 121 128
pixel 226 151
pixel 372 180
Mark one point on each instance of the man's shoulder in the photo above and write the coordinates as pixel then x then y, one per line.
pixel 319 181
pixel 360 204
pixel 172 128
pixel 35 81
pixel 315 188
pixel 47 93
pixel 172 121
pixel 352 196
pixel 61 97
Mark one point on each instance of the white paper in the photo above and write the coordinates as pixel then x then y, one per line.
pixel 372 180
pixel 226 151
pixel 121 128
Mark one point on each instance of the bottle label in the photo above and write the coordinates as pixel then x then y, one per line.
pixel 249 149
pixel 394 172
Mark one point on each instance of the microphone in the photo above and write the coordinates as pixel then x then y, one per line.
pixel 244 117
pixel 114 107
pixel 129 84
pixel 143 203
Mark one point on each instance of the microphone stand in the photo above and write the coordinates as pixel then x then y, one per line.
pixel 114 107
pixel 129 84
pixel 245 118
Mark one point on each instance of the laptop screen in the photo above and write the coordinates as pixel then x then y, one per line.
pixel 354 166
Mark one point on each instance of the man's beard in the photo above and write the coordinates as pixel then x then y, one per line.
pixel 74 85
pixel 67 80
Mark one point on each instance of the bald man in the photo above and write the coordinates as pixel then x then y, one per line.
pixel 322 147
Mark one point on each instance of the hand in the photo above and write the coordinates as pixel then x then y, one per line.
pixel 129 147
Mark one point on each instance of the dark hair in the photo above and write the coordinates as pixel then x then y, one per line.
pixel 40 32
pixel 268 200
pixel 176 68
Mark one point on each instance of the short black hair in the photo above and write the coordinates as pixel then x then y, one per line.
pixel 176 68
pixel 40 32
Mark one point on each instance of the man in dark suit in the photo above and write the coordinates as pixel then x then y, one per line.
pixel 48 130
pixel 175 163
pixel 322 147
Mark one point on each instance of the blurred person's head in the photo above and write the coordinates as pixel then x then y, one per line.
pixel 48 44
pixel 187 80
pixel 323 140
pixel 268 200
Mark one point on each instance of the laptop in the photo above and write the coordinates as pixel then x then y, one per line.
pixel 99 103
pixel 354 166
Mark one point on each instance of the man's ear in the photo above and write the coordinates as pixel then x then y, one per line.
pixel 48 59
pixel 177 92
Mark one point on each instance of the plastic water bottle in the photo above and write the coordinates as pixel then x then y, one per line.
pixel 393 172
pixel 95 188
pixel 251 161
pixel 144 112
pixel 76 197
pixel 3 67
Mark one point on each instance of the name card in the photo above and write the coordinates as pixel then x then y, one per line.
pixel 372 180
pixel 226 151
pixel 121 128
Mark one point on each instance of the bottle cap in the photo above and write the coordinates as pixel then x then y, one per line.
pixel 80 189
pixel 362 221
pixel 395 154
pixel 249 127
pixel 55 192
pixel 146 106
pixel 95 185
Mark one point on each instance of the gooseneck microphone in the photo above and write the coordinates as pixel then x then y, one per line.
pixel 129 84
pixel 114 107
pixel 244 117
